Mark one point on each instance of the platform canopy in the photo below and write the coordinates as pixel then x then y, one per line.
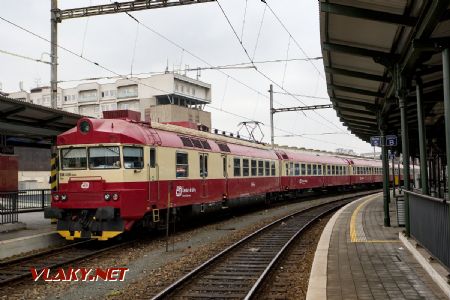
pixel 366 45
pixel 23 123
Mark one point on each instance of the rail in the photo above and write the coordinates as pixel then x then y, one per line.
pixel 430 224
pixel 13 203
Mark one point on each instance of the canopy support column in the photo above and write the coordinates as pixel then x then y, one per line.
pixel 446 75
pixel 422 138
pixel 386 192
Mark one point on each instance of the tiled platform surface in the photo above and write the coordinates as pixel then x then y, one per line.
pixel 367 261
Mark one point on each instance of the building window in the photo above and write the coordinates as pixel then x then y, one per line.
pixel 182 165
pixel 86 96
pixel 127 91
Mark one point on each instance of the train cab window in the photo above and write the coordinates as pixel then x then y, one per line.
pixel 303 169
pixel 260 168
pixel 182 165
pixel 73 159
pixel 104 157
pixel 297 170
pixel 319 169
pixel 236 167
pixel 272 168
pixel 152 157
pixel 309 168
pixel 314 169
pixel 203 165
pixel 133 157
pixel 254 168
pixel 267 168
pixel 245 167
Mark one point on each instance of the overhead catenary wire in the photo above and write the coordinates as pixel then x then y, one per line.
pixel 122 76
pixel 24 57
pixel 295 41
pixel 266 76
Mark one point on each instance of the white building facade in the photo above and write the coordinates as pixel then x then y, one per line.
pixel 138 94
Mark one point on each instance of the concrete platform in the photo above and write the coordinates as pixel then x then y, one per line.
pixel 358 258
pixel 34 233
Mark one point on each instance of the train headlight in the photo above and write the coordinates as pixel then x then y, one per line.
pixel 107 197
pixel 63 197
pixel 115 196
pixel 55 197
pixel 85 126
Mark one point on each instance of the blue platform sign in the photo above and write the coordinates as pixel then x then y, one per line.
pixel 391 140
pixel 375 141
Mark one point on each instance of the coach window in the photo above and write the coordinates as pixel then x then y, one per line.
pixel 309 169
pixel 314 169
pixel 182 166
pixel 328 170
pixel 267 168
pixel 74 158
pixel 303 169
pixel 133 157
pixel 254 168
pixel 319 169
pixel 104 157
pixel 260 168
pixel 297 170
pixel 237 167
pixel 152 158
pixel 203 165
pixel 245 167
pixel 272 167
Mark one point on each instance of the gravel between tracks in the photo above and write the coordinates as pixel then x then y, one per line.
pixel 151 268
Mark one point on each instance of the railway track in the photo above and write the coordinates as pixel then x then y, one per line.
pixel 239 271
pixel 19 268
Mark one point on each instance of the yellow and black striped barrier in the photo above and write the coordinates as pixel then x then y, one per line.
pixel 54 176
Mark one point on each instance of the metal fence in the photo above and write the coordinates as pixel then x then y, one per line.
pixel 13 203
pixel 430 224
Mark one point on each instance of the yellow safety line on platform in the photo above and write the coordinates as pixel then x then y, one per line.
pixel 353 236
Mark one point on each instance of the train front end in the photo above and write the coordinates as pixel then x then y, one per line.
pixel 102 188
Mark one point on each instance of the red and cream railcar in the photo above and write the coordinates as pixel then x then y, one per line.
pixel 365 171
pixel 114 173
pixel 306 171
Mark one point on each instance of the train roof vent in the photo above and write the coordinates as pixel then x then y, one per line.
pixel 186 141
pixel 205 144
pixel 196 143
pixel 223 147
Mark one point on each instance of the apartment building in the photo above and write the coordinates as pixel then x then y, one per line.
pixel 167 97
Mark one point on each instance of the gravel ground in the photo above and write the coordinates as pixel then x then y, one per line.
pixel 290 277
pixel 150 267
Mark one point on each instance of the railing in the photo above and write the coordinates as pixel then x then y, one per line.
pixel 430 224
pixel 13 203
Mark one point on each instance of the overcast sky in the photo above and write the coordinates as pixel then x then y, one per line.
pixel 118 43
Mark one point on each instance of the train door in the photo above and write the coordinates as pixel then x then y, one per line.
pixel 225 173
pixel 204 174
pixel 153 176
